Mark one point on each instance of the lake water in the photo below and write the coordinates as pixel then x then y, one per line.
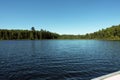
pixel 58 59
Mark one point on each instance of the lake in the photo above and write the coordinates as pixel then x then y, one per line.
pixel 58 59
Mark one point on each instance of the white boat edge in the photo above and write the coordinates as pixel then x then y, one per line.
pixel 107 76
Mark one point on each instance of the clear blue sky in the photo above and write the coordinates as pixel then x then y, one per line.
pixel 61 16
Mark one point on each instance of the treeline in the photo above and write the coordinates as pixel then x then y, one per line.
pixel 70 36
pixel 112 33
pixel 26 34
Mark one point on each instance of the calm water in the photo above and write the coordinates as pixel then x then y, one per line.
pixel 58 59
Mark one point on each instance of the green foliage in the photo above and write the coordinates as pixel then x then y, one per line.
pixel 112 33
pixel 26 34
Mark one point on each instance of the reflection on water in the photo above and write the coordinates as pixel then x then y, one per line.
pixel 58 59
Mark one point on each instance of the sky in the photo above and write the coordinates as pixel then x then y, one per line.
pixel 60 16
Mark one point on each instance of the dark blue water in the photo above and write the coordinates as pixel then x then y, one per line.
pixel 58 59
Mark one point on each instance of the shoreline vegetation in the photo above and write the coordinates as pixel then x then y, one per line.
pixel 111 33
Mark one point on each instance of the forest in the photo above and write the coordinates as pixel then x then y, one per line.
pixel 26 34
pixel 111 33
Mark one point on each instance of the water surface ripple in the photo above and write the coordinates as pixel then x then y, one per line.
pixel 58 59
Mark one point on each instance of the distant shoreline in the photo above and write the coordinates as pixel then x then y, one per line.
pixel 111 33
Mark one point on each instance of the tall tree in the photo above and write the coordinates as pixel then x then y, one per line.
pixel 33 29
